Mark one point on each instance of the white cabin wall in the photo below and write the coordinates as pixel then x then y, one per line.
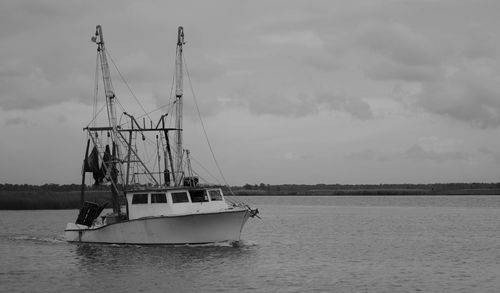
pixel 137 211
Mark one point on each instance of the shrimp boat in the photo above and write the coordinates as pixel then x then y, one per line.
pixel 165 203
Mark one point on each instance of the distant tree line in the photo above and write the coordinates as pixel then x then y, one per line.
pixel 67 196
pixel 368 189
pixel 49 187
pixel 432 187
pixel 48 196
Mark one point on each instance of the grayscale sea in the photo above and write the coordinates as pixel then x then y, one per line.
pixel 302 244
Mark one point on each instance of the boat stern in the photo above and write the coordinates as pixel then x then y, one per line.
pixel 73 232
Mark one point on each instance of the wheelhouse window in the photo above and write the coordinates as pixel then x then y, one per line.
pixel 140 198
pixel 178 197
pixel 158 198
pixel 198 195
pixel 215 195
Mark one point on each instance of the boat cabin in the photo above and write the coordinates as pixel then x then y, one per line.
pixel 155 203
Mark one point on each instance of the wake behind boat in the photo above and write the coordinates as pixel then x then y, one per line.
pixel 156 200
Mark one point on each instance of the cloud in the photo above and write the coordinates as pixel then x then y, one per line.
pixel 437 150
pixel 480 43
pixel 292 156
pixel 204 68
pixel 293 38
pixel 16 121
pixel 368 155
pixel 356 107
pixel 40 60
pixel 386 69
pixel 397 42
pixel 458 80
pixel 470 94
pixel 322 61
pixel 293 106
pixel 301 105
pixel 61 119
pixel 492 154
pixel 31 87
pixel 395 52
pixel 20 17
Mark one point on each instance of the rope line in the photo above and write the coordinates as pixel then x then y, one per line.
pixel 203 127
pixel 126 83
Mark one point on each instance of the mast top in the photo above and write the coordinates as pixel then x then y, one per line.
pixel 97 37
pixel 180 36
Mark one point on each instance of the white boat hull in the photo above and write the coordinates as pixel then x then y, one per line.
pixel 181 229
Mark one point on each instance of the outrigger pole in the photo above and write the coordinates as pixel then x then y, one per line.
pixel 82 187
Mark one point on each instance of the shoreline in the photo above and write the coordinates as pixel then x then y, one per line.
pixel 70 199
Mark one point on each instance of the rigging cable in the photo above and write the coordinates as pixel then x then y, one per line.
pixel 126 83
pixel 170 104
pixel 205 169
pixel 96 90
pixel 95 116
pixel 203 127
pixel 150 112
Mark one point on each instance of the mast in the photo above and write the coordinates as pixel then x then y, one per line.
pixel 178 94
pixel 106 76
pixel 110 103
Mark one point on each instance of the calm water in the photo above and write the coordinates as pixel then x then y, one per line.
pixel 303 244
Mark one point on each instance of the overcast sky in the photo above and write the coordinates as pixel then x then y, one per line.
pixel 379 91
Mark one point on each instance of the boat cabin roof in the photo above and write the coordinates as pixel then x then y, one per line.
pixel 165 189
